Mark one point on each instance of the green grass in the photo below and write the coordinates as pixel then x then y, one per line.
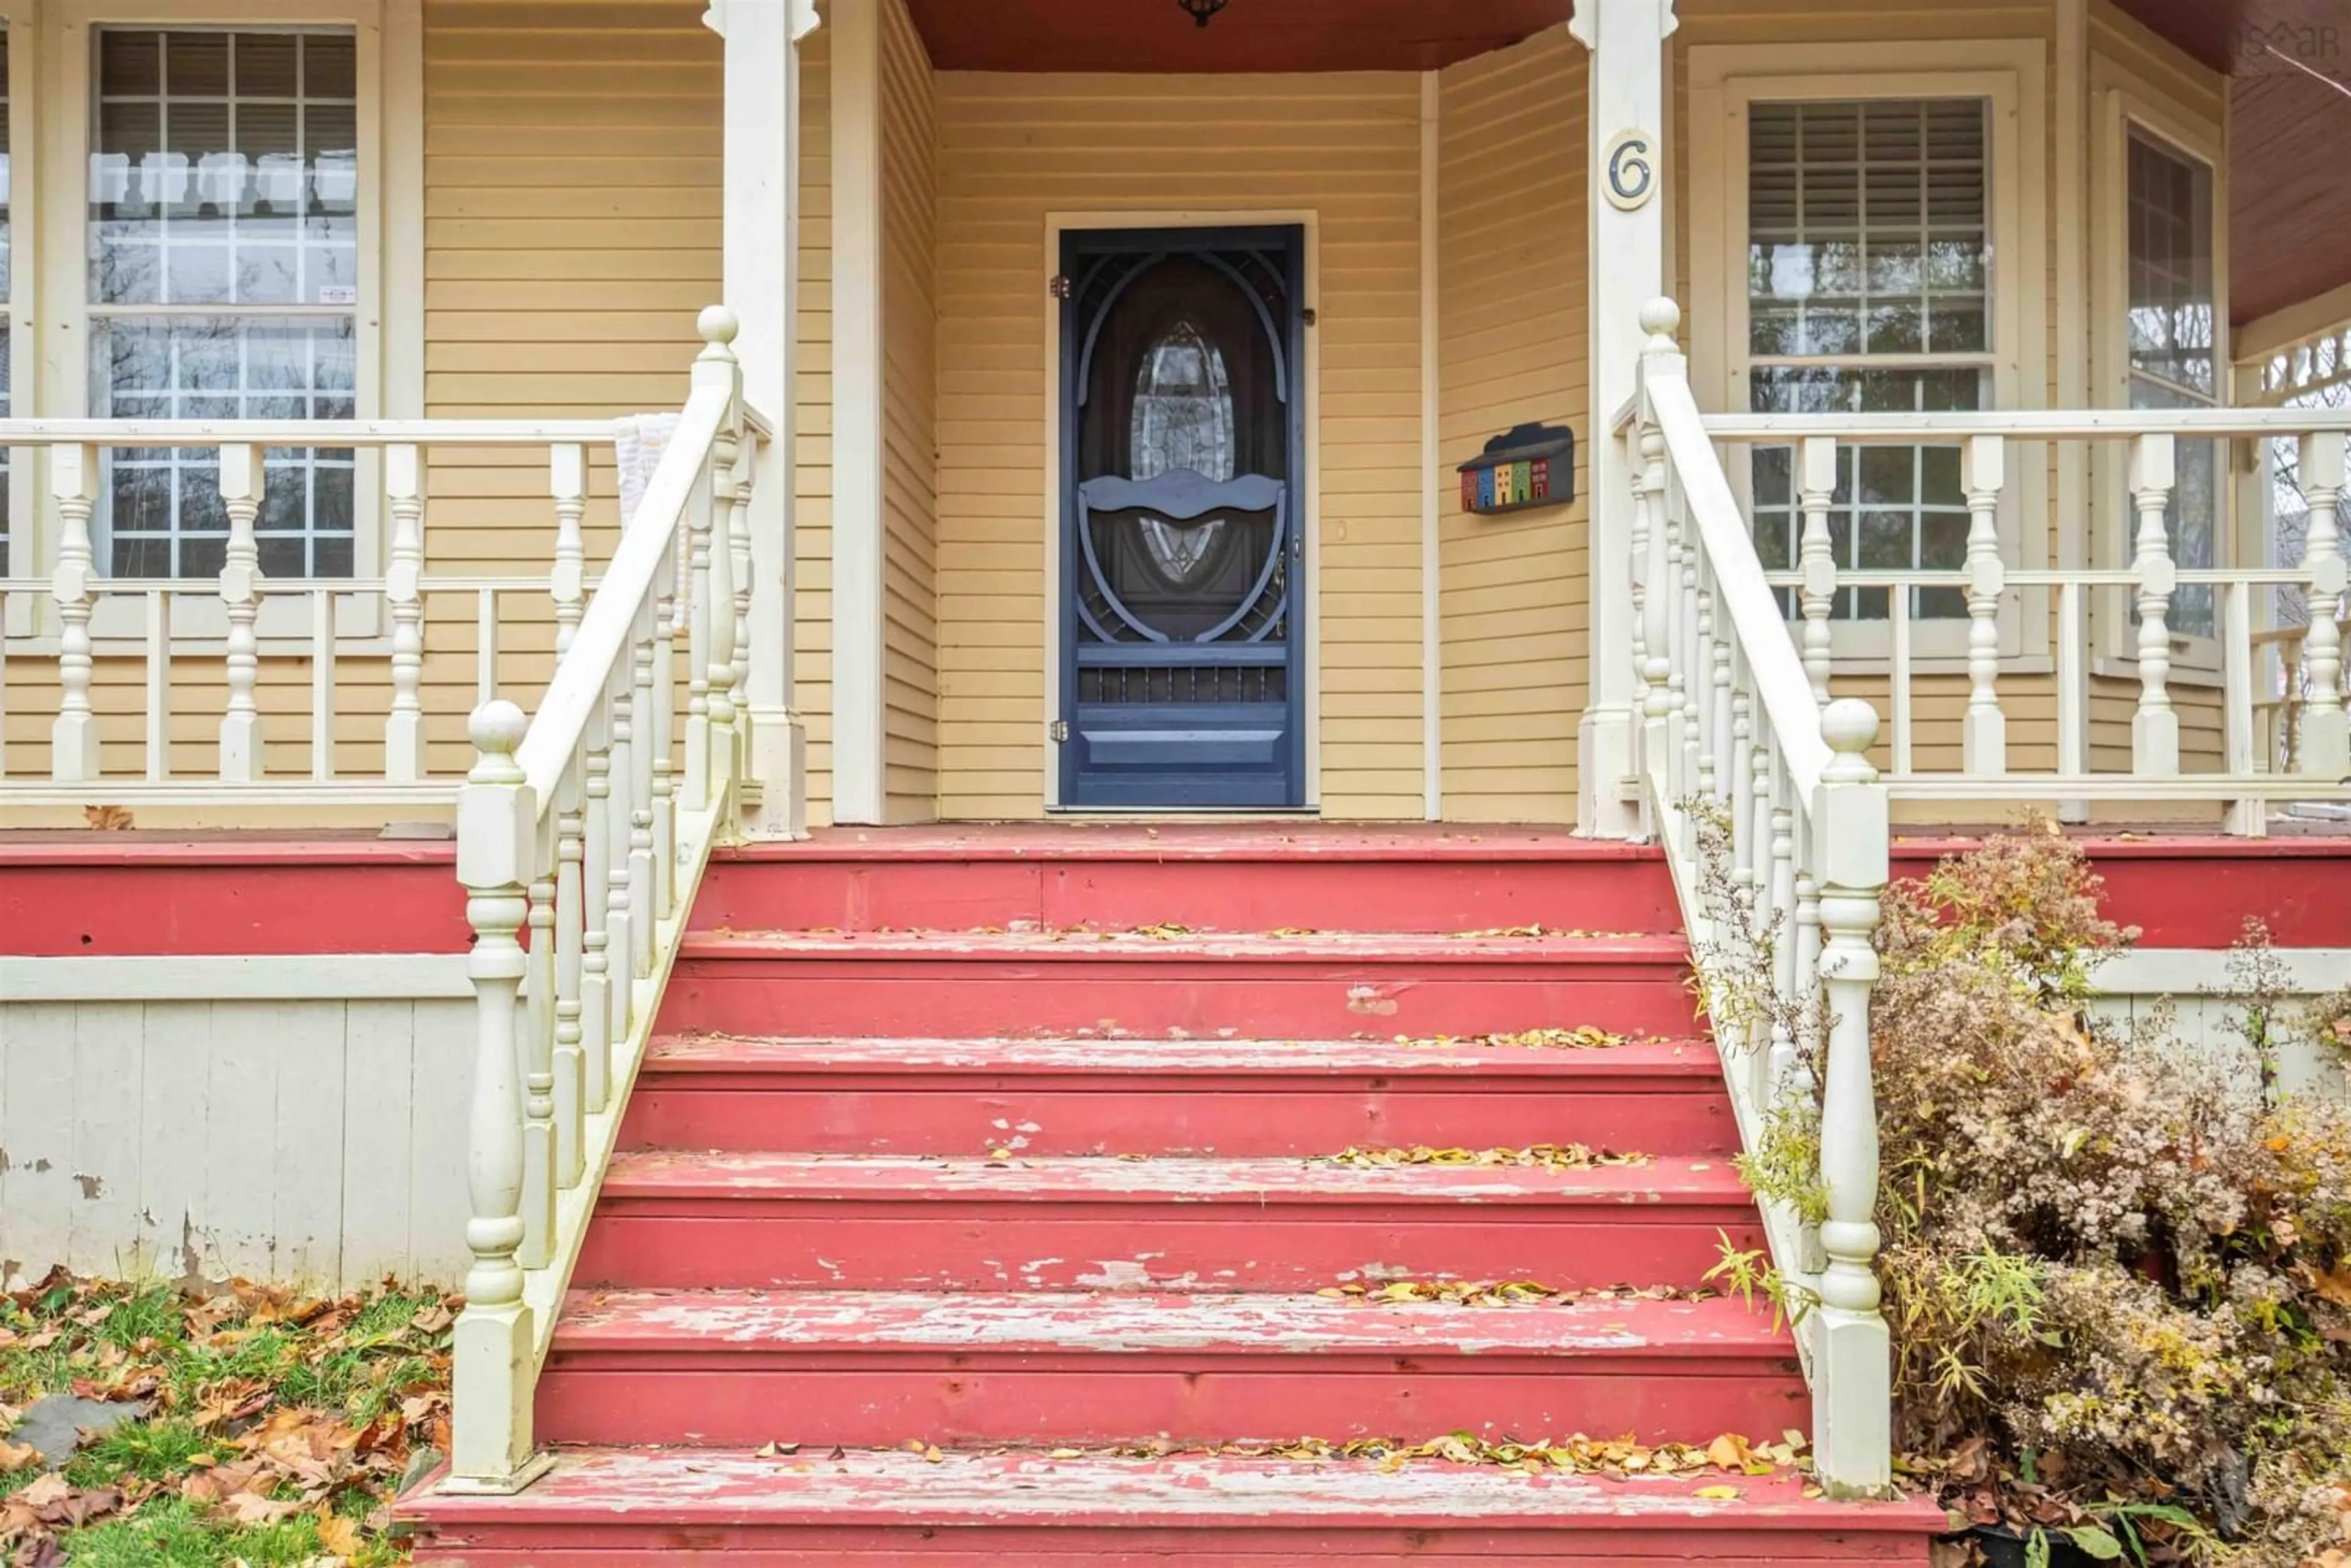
pixel 223 1375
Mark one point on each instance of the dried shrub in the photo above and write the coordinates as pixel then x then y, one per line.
pixel 2117 1271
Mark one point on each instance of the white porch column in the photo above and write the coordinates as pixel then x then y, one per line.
pixel 1627 203
pixel 762 288
pixel 857 629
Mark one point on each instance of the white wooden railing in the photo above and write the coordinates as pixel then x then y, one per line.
pixel 1731 731
pixel 2255 660
pixel 184 634
pixel 1760 783
pixel 588 826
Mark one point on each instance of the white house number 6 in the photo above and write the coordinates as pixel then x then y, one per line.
pixel 1632 177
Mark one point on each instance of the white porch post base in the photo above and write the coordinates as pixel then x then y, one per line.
pixel 490 1443
pixel 2155 742
pixel 779 761
pixel 1853 1402
pixel 1603 746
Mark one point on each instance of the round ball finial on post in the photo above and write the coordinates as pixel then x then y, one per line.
pixel 1850 726
pixel 496 729
pixel 1661 319
pixel 719 327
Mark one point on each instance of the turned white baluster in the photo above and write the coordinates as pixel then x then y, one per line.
pixel 1739 786
pixel 665 738
pixel 566 468
pixel 1784 942
pixel 716 366
pixel 571 1101
pixel 640 791
pixel 1816 473
pixel 73 738
pixel 241 481
pixel 1721 742
pixel 620 820
pixel 403 731
pixel 596 976
pixel 493 1342
pixel 738 534
pixel 1711 697
pixel 1985 733
pixel 1851 1366
pixel 538 1055
pixel 699 513
pixel 2325 746
pixel 2155 730
pixel 1692 661
pixel 1636 462
pixel 1668 657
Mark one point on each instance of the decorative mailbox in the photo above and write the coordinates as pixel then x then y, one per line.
pixel 1532 465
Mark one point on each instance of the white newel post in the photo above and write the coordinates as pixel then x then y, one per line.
pixel 240 591
pixel 2325 739
pixel 1627 246
pixel 497 829
pixel 73 739
pixel 762 286
pixel 1852 1373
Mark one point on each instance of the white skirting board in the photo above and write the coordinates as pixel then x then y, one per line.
pixel 300 1119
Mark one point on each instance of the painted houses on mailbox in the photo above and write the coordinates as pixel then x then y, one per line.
pixel 827 689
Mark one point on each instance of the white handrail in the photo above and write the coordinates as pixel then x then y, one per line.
pixel 2029 424
pixel 302 432
pixel 589 828
pixel 1772 661
pixel 645 546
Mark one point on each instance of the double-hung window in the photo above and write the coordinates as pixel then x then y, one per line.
pixel 1868 291
pixel 2171 343
pixel 224 282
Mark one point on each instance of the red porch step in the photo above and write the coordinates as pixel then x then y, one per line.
pixel 1050 1172
pixel 867 1368
pixel 1209 876
pixel 600 1507
pixel 983 984
pixel 683 1221
pixel 1079 1096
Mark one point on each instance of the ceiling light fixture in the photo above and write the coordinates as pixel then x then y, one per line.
pixel 1201 10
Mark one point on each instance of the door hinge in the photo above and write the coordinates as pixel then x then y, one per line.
pixel 1057 732
pixel 1307 316
pixel 1060 286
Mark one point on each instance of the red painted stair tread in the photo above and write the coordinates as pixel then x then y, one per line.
pixel 746 1322
pixel 1203 1182
pixel 865 1367
pixel 1387 1056
pixel 970 1509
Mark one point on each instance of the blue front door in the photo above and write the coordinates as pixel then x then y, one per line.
pixel 1181 655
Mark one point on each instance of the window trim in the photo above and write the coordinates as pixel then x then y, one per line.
pixel 2124 104
pixel 2012 75
pixel 54 37
pixel 24 519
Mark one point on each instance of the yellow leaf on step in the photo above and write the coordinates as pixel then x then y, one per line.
pixel 1719 1494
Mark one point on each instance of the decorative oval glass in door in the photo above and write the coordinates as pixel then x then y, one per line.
pixel 1180 447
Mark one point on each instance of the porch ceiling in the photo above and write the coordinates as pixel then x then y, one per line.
pixel 1250 35
pixel 2289 120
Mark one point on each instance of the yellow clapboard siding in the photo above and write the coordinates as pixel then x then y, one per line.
pixel 1014 149
pixel 1511 326
pixel 909 420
